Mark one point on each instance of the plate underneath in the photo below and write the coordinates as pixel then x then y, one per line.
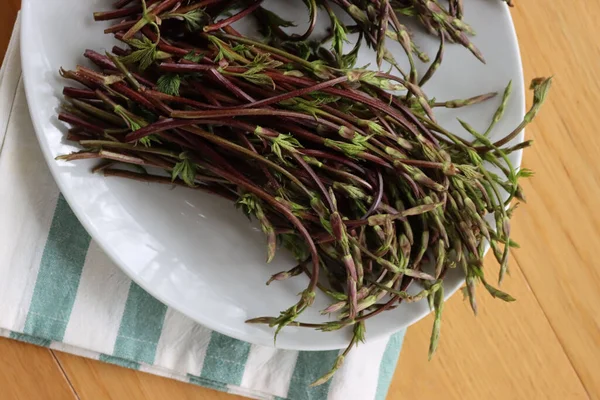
pixel 195 252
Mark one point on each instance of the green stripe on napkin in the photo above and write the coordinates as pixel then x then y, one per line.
pixel 141 326
pixel 225 359
pixel 310 366
pixel 58 277
pixel 21 337
pixel 121 362
pixel 388 364
pixel 207 383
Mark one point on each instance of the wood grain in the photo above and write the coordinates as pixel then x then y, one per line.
pixel 509 351
pixel 31 372
pixel 560 228
pixel 94 380
pixel 7 20
pixel 545 346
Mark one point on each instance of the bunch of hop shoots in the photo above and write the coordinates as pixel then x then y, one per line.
pixel 360 183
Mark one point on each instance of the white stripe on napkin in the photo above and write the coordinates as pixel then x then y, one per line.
pixel 25 214
pixel 183 344
pixel 78 351
pixel 355 379
pixel 267 371
pixel 99 277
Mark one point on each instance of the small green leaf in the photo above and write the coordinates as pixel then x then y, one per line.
pixel 350 149
pixel 296 245
pixel 249 203
pixel 303 49
pixel 320 69
pixel 525 173
pixel 133 121
pixel 263 61
pixel 285 142
pixel 145 53
pixel 319 100
pixel 177 170
pixel 259 79
pixel 408 11
pixel 348 61
pixel 193 56
pixel 374 127
pixel 352 191
pixel 295 73
pixel 360 140
pixel 340 36
pixel 148 140
pixel 194 20
pixel 275 20
pixel 169 84
pixel 225 52
pixel 186 171
pixel 497 293
pixel 372 78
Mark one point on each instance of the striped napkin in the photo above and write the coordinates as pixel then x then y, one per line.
pixel 59 290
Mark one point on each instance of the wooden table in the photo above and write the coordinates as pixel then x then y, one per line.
pixel 545 346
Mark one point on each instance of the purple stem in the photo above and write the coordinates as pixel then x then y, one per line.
pixel 378 198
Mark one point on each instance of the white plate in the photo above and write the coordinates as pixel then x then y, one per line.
pixel 195 252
